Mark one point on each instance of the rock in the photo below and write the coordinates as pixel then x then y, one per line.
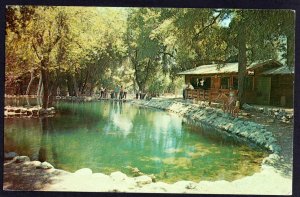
pixel 153 177
pixel 21 159
pixel 45 165
pixel 18 110
pixel 10 155
pixel 84 171
pixel 50 108
pixel 245 114
pixel 35 111
pixel 11 113
pixel 29 112
pixel 23 110
pixel 142 180
pixel 102 176
pixel 43 111
pixel 118 176
pixel 247 107
pixel 10 109
pixel 35 163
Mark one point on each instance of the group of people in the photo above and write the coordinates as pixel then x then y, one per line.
pixel 119 92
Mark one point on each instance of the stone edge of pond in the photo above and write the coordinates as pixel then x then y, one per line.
pixel 30 112
pixel 197 114
pixel 85 180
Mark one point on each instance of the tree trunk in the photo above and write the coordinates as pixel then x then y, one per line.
pixel 75 86
pixel 84 83
pixel 30 82
pixel 53 94
pixel 45 81
pixel 242 61
pixel 38 93
pixel 91 89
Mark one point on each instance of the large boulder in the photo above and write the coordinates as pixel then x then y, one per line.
pixel 142 180
pixel 84 171
pixel 118 176
pixel 35 163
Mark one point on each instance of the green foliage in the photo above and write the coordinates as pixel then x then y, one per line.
pixel 88 47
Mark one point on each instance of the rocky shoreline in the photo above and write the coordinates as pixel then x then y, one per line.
pixel 202 114
pixel 30 112
pixel 22 174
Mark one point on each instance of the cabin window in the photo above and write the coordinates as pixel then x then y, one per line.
pixel 248 83
pixel 225 83
pixel 235 83
pixel 194 82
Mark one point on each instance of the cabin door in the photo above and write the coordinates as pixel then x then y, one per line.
pixel 263 90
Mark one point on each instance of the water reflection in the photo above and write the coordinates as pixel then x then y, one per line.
pixel 120 119
pixel 110 136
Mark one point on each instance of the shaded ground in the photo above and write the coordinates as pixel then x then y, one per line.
pixel 283 132
pixel 26 177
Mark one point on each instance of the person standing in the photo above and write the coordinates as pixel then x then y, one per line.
pixel 116 91
pixel 184 91
pixel 125 93
pixel 101 92
pixel 121 93
pixel 105 93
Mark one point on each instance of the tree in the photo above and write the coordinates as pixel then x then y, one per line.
pixel 258 34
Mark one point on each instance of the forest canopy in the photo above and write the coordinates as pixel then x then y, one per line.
pixel 80 49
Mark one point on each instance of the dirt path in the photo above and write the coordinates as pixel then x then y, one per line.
pixel 283 132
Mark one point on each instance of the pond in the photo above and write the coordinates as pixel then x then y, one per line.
pixel 108 136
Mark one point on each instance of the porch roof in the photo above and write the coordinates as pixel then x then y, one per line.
pixel 224 68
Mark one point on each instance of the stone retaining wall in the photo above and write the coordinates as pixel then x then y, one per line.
pixel 217 118
pixel 36 111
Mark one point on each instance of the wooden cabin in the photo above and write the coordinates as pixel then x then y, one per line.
pixel 266 82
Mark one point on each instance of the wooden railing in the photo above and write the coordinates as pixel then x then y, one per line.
pixel 207 95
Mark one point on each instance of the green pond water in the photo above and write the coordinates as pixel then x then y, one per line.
pixel 108 136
